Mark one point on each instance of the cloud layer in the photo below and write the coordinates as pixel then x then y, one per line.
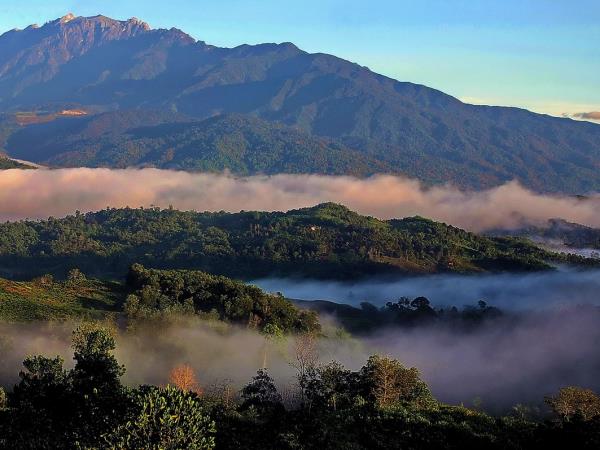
pixel 43 193
pixel 592 115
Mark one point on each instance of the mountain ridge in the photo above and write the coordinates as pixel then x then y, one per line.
pixel 418 131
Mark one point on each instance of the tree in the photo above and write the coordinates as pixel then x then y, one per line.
pixel 261 394
pixel 75 276
pixel 331 386
pixel 388 382
pixel 574 401
pixel 96 369
pixel 164 418
pixel 305 358
pixel 100 399
pixel 184 378
pixel 272 334
pixel 41 401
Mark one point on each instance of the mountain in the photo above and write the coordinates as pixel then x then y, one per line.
pixel 102 64
pixel 240 143
pixel 325 241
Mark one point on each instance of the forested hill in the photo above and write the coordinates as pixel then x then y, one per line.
pixel 95 64
pixel 243 144
pixel 327 241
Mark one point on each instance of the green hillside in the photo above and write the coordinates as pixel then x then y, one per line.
pixel 326 241
pixel 244 145
pixel 46 299
pixel 150 294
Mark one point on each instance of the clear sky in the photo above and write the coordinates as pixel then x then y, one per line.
pixel 540 54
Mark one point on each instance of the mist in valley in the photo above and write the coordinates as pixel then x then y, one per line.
pixel 516 359
pixel 523 291
pixel 547 340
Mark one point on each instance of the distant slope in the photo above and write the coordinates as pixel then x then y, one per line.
pixel 242 144
pixel 326 241
pixel 562 232
pixel 105 64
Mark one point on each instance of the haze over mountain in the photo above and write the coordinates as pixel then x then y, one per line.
pixel 367 122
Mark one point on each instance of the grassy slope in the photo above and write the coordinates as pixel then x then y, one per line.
pixel 38 300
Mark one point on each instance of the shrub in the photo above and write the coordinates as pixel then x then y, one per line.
pixel 164 418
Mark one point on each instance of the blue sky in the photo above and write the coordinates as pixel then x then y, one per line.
pixel 540 54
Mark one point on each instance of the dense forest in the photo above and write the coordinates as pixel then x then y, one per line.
pixel 383 405
pixel 326 241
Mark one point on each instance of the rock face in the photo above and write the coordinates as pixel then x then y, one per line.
pixel 98 63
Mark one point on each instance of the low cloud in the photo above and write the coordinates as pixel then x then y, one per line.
pixel 592 115
pixel 514 292
pixel 503 363
pixel 44 193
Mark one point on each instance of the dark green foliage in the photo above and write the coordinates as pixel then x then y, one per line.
pixel 163 418
pixel 54 408
pixel 96 379
pixel 233 301
pixel 152 295
pixel 41 402
pixel 327 241
pixel 261 395
pixel 332 386
pixel 404 312
pixel 343 410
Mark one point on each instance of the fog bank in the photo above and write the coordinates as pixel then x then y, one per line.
pixel 503 363
pixel 539 290
pixel 43 193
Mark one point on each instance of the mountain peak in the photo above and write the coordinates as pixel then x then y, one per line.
pixel 141 23
pixel 67 18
